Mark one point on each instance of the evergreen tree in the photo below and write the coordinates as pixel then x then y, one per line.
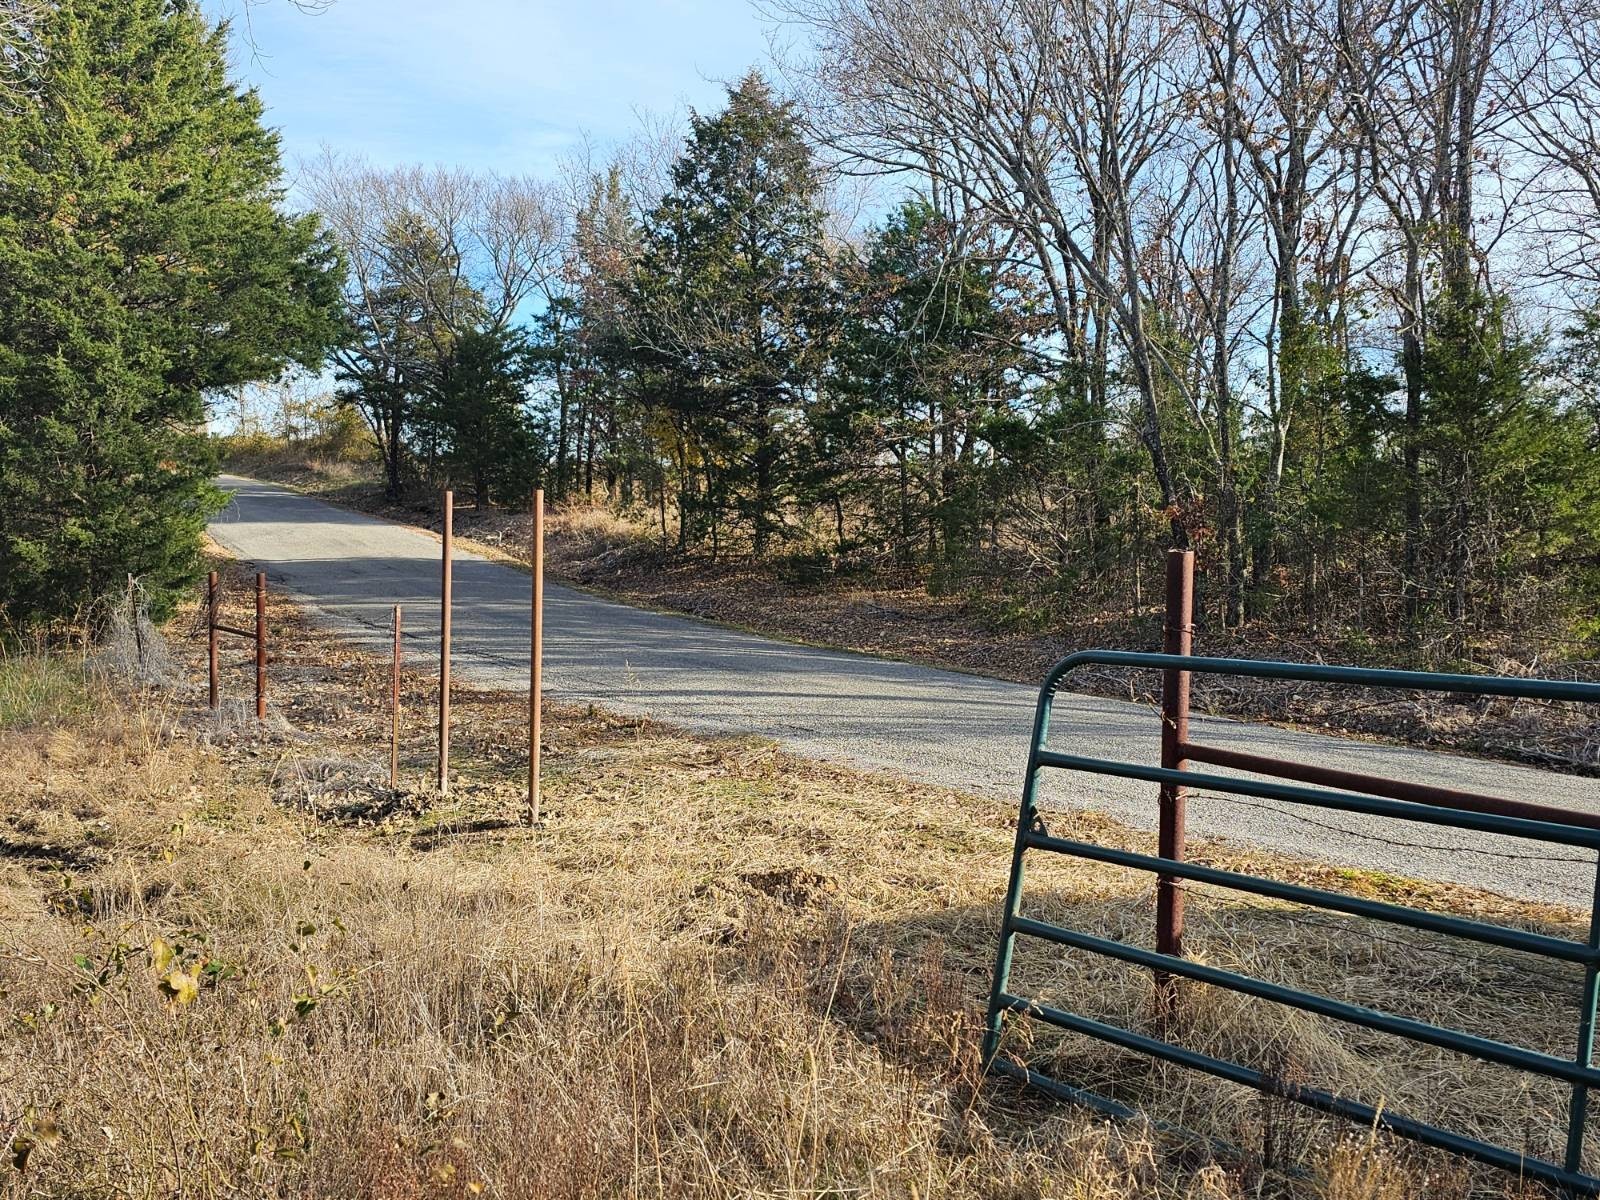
pixel 143 260
pixel 732 304
pixel 1578 368
pixel 477 407
pixel 933 359
pixel 1511 476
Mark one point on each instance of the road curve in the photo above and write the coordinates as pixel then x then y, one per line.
pixel 941 726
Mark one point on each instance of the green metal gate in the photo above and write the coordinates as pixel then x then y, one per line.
pixel 1338 790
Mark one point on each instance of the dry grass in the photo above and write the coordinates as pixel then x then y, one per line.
pixel 235 962
pixel 40 689
pixel 591 531
pixel 337 460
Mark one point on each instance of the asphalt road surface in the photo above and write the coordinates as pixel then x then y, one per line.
pixel 942 726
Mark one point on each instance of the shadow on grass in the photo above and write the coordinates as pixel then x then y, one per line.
pixel 444 834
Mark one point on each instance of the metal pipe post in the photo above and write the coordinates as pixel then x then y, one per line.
pixel 1177 638
pixel 261 645
pixel 394 706
pixel 211 636
pixel 536 658
pixel 444 645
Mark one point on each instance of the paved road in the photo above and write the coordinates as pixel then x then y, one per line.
pixel 931 724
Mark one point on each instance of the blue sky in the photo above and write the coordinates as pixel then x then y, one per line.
pixel 496 84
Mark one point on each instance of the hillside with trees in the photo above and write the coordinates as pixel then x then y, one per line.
pixel 932 336
pixel 1289 291
pixel 1309 289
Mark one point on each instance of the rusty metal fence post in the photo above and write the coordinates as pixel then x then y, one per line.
pixel 444 645
pixel 261 645
pixel 1177 638
pixel 258 635
pixel 211 637
pixel 394 706
pixel 536 658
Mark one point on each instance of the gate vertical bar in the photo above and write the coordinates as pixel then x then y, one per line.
pixel 394 706
pixel 536 658
pixel 1026 815
pixel 1578 1112
pixel 1177 638
pixel 211 636
pixel 261 645
pixel 444 645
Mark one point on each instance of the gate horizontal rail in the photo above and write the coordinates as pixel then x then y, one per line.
pixel 1546 829
pixel 1324 788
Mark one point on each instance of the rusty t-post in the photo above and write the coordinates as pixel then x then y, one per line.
pixel 394 706
pixel 261 645
pixel 444 645
pixel 211 636
pixel 1177 638
pixel 536 658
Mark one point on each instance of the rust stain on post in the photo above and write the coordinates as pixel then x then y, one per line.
pixel 394 706
pixel 536 658
pixel 261 645
pixel 444 645
pixel 1177 638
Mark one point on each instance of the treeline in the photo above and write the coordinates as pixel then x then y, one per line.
pixel 1033 374
pixel 1327 266
pixel 1309 286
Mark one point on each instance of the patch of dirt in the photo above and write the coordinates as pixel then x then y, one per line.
pixel 797 887
pixel 343 792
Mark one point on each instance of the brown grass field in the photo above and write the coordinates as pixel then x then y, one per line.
pixel 233 962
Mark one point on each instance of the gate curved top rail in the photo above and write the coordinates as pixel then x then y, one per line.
pixel 1515 818
pixel 1510 686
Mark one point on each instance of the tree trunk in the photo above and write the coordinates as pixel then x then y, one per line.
pixel 766 459
pixel 561 432
pixel 391 458
pixel 1411 366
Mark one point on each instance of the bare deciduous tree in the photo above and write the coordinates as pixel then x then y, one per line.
pixel 1413 77
pixel 431 253
pixel 19 52
pixel 1050 118
pixel 1560 126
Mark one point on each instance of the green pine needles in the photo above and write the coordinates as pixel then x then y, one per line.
pixel 145 259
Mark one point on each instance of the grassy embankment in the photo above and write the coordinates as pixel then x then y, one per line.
pixel 233 961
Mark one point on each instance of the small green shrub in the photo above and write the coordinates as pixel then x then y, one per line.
pixel 39 690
